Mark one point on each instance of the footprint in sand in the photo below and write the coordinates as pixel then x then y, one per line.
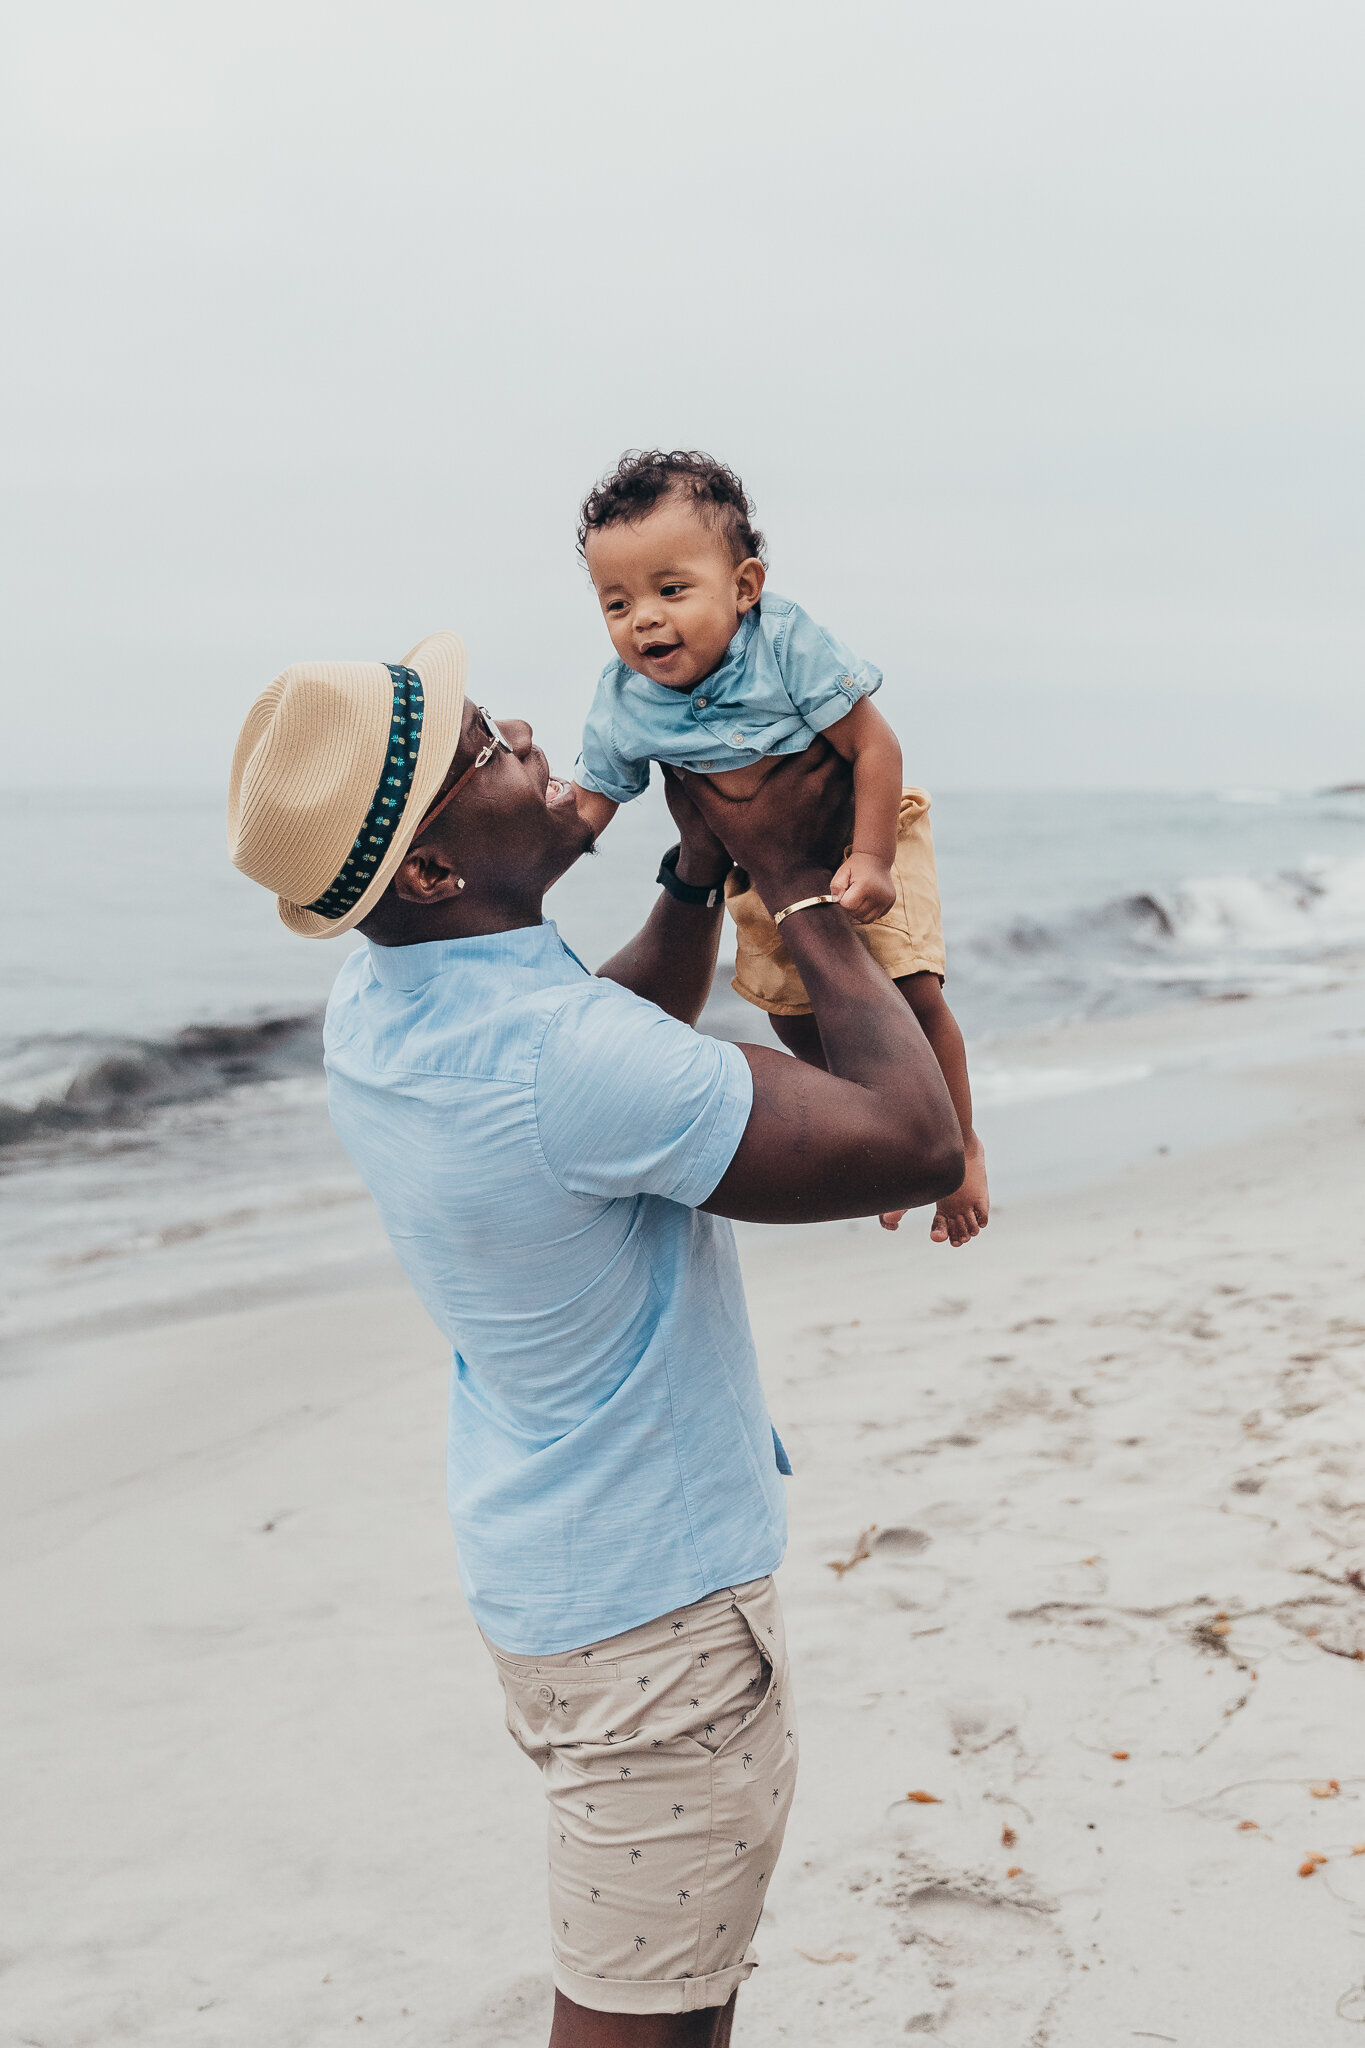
pixel 998 1968
pixel 518 2016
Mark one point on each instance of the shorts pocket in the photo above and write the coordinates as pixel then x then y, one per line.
pixel 579 1670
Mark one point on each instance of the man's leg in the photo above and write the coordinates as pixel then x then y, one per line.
pixel 575 2027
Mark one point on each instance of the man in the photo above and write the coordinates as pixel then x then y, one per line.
pixel 553 1155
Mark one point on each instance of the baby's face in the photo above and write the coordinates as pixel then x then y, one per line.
pixel 670 594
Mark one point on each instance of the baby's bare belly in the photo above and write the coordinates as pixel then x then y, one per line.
pixel 738 783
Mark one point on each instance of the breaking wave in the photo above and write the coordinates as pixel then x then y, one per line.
pixel 55 1085
pixel 1218 936
pixel 1215 936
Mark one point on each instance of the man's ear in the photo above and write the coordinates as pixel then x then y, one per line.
pixel 750 578
pixel 425 876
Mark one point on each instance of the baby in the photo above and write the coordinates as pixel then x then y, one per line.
pixel 714 675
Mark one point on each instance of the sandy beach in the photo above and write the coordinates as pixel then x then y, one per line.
pixel 1076 1598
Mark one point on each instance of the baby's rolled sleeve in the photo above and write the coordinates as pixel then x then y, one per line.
pixel 824 679
pixel 602 766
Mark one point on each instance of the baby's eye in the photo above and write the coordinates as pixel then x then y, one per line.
pixel 671 589
pixel 616 604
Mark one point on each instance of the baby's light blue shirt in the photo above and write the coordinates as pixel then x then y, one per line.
pixel 784 679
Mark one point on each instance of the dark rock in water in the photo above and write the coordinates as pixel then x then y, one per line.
pixel 1146 909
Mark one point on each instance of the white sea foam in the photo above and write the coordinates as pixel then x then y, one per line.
pixel 993 1085
pixel 1315 910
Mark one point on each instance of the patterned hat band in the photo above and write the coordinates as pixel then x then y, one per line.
pixel 385 813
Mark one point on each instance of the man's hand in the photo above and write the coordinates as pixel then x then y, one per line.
pixel 702 858
pixel 865 886
pixel 791 833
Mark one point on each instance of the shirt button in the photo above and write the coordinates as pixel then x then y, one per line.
pixel 738 738
pixel 700 703
pixel 547 1693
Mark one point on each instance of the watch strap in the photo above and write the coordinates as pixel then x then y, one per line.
pixel 687 892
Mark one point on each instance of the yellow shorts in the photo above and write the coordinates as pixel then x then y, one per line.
pixel 908 939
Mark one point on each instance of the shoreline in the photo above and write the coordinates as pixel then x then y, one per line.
pixel 261 1781
pixel 1059 1108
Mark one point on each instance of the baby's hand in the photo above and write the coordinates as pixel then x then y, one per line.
pixel 865 887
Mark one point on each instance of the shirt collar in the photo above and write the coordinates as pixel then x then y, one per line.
pixel 529 946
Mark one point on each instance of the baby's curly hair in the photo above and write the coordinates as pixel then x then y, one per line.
pixel 645 475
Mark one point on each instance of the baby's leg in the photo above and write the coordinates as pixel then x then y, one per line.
pixel 959 1217
pixel 800 1035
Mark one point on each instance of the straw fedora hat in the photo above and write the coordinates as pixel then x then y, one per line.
pixel 337 764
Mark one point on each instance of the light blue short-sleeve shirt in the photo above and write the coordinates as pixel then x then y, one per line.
pixel 537 1142
pixel 784 679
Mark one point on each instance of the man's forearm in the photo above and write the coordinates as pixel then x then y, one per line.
pixel 671 960
pixel 868 1031
pixel 876 1130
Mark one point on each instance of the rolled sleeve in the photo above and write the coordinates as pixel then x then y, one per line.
pixel 630 1101
pixel 824 679
pixel 603 766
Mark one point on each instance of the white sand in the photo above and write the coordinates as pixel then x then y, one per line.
pixel 258 1786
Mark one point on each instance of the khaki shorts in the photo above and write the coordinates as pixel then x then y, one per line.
pixel 669 1760
pixel 908 939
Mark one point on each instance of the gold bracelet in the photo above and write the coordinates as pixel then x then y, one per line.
pixel 804 904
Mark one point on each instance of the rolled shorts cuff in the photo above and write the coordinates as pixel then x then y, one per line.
pixel 898 965
pixel 669 1994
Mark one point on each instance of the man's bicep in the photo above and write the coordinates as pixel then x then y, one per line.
pixel 809 1150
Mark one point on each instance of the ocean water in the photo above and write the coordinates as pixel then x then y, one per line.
pixel 162 1129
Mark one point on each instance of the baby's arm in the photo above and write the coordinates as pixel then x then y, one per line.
pixel 865 884
pixel 597 811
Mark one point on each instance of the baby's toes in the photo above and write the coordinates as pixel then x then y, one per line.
pixel 890 1219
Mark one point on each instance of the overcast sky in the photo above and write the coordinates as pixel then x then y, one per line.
pixel 1035 330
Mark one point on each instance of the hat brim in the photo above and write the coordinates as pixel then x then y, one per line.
pixel 440 662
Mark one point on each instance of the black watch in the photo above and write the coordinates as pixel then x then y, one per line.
pixel 686 892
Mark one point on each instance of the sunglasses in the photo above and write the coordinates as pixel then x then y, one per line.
pixel 494 741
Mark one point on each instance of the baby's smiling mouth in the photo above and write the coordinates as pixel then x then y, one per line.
pixel 659 650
